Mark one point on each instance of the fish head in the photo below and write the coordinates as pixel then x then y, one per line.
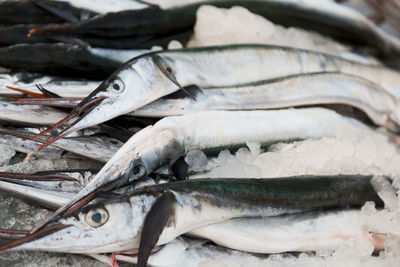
pixel 107 226
pixel 135 84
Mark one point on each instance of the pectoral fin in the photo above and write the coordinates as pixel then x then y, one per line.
pixel 161 214
pixel 169 73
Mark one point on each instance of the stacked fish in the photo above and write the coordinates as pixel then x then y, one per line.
pixel 149 118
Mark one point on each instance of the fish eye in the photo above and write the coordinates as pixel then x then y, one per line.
pixel 114 142
pixel 138 169
pixel 54 132
pixel 96 217
pixel 117 86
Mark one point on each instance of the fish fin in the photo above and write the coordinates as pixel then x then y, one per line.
pixel 63 14
pixel 169 73
pixel 193 90
pixel 46 92
pixel 161 214
pixel 180 169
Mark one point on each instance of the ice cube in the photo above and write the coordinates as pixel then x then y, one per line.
pixel 386 192
pixel 255 148
pixel 6 153
pixel 197 160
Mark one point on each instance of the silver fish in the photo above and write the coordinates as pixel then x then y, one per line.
pixel 183 206
pixel 29 114
pixel 212 131
pixel 292 91
pixel 97 148
pixel 146 78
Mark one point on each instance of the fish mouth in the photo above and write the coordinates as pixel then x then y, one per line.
pixel 20 237
pixel 77 114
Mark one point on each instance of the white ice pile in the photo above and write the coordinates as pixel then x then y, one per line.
pixel 6 153
pixel 217 26
pixel 348 153
pixel 237 25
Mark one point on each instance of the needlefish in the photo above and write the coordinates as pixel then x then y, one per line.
pixel 146 78
pixel 164 18
pixel 156 214
pixel 291 91
pixel 298 232
pixel 299 90
pixel 100 148
pixel 212 131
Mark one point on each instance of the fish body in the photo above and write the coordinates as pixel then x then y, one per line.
pixel 167 17
pixel 303 90
pixel 70 60
pixel 38 115
pixel 94 147
pixel 211 132
pixel 198 203
pixel 151 76
pixel 25 12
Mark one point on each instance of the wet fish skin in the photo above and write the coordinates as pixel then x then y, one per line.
pixel 212 200
pixel 308 231
pixel 142 81
pixel 66 59
pixel 290 91
pixel 211 131
pixel 40 115
pixel 94 147
pixel 25 12
pixel 329 19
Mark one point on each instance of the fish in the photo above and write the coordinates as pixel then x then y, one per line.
pixel 162 18
pixel 60 58
pixel 39 115
pixel 146 78
pixel 159 213
pixel 19 34
pixel 44 12
pixel 62 88
pixel 100 148
pixel 211 132
pixel 49 189
pixel 319 229
pixel 292 91
pixel 184 251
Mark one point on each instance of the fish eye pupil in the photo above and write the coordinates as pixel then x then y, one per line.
pixel 116 86
pixel 136 170
pixel 96 217
pixel 113 142
pixel 53 132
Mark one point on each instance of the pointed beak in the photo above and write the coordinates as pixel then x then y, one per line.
pixel 80 200
pixel 20 237
pixel 65 102
pixel 77 114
